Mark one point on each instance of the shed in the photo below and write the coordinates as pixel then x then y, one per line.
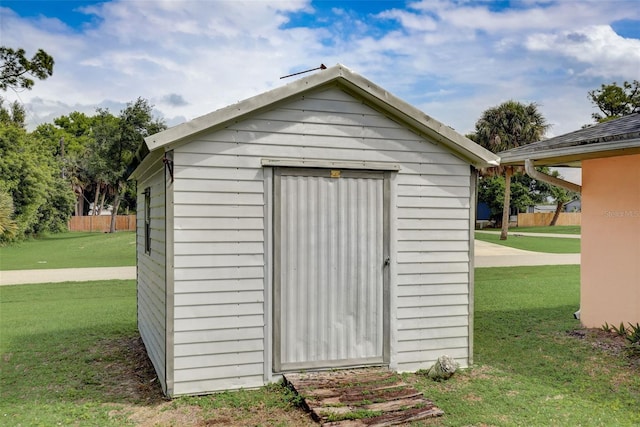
pixel 609 154
pixel 323 224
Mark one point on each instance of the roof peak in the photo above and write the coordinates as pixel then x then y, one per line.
pixel 353 83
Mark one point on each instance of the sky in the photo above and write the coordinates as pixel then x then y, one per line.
pixel 452 59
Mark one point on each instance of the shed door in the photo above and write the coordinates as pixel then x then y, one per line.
pixel 330 303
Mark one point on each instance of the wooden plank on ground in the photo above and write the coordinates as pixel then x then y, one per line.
pixel 361 397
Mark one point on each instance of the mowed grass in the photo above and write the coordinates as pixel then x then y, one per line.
pixel 70 356
pixel 66 360
pixel 60 353
pixel 71 250
pixel 555 245
pixel 529 370
pixel 556 229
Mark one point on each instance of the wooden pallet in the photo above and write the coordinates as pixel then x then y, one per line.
pixel 360 397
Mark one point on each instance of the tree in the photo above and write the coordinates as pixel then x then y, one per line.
pixel 16 71
pixel 30 176
pixel 509 125
pixel 34 197
pixel 561 196
pixel 615 101
pixel 117 140
pixel 8 225
pixel 525 192
pixel 69 138
pixel 14 115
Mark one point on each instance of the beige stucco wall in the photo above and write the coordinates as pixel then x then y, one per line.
pixel 610 271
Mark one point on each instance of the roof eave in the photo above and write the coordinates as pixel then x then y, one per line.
pixel 571 156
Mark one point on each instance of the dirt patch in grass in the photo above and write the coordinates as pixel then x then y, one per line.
pixel 131 381
pixel 608 342
pixel 259 416
pixel 126 373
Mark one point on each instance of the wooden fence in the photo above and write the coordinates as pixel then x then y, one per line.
pixel 540 219
pixel 102 223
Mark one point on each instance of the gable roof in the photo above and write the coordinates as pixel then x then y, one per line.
pixel 612 138
pixel 352 82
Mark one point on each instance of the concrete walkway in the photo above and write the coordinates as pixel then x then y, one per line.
pixel 492 255
pixel 486 255
pixel 21 277
pixel 517 233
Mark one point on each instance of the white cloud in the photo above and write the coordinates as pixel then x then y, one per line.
pixel 604 52
pixel 451 59
pixel 410 21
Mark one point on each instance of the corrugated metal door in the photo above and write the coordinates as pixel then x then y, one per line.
pixel 330 303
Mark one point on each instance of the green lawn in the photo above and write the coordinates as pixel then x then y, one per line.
pixel 557 229
pixel 66 359
pixel 529 370
pixel 71 250
pixel 61 350
pixel 533 243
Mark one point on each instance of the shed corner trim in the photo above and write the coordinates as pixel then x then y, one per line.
pixel 328 164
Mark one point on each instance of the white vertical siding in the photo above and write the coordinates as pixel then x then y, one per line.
pixel 220 236
pixel 151 272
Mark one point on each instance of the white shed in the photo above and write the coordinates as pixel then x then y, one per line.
pixel 322 224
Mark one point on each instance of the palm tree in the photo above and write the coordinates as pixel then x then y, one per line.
pixel 509 125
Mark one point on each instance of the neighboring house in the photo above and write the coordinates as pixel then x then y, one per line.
pixel 541 208
pixel 105 210
pixel 573 206
pixel 323 224
pixel 609 154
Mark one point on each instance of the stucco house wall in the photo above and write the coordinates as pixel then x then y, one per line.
pixel 610 247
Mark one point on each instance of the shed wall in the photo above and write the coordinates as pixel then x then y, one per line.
pixel 220 230
pixel 151 273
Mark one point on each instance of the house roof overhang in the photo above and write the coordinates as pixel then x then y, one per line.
pixel 339 75
pixel 617 137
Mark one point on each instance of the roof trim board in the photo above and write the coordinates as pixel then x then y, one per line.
pixel 311 163
pixel 571 156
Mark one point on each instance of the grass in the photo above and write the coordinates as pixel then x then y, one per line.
pixel 68 357
pixel 529 370
pixel 62 347
pixel 557 229
pixel 533 243
pixel 71 250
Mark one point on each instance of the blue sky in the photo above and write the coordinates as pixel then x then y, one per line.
pixel 451 58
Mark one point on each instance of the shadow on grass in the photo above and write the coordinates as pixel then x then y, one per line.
pixel 82 367
pixel 71 354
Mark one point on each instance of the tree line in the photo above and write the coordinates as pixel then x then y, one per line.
pixel 62 168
